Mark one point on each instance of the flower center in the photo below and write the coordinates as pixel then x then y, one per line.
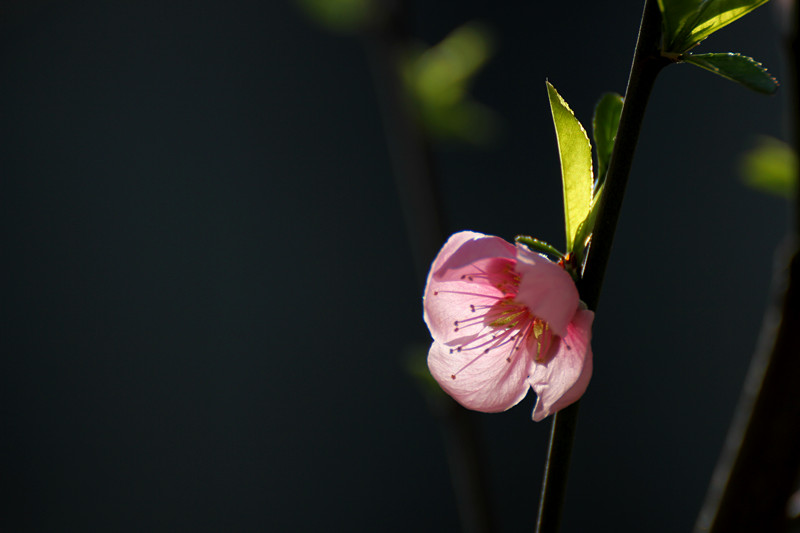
pixel 505 324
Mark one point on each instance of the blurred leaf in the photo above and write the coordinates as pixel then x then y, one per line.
pixel 771 167
pixel 438 79
pixel 575 152
pixel 735 67
pixel 416 364
pixel 604 130
pixel 442 71
pixel 687 22
pixel 340 15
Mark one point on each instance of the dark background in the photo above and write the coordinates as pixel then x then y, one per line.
pixel 207 290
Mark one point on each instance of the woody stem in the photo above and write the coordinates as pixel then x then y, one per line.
pixel 647 63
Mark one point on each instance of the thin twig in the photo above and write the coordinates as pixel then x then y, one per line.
pixel 647 63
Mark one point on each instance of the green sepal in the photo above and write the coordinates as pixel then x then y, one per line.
pixel 604 130
pixel 539 246
pixel 687 22
pixel 736 67
pixel 575 153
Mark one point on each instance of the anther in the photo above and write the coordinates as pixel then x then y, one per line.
pixel 453 376
pixel 508 359
pixel 486 350
pixel 472 308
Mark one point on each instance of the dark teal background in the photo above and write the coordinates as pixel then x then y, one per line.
pixel 207 290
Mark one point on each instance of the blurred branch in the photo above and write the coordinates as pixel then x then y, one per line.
pixel 758 469
pixel 387 43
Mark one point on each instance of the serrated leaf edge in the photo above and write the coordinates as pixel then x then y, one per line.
pixel 685 58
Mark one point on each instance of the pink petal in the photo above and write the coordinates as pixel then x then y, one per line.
pixel 483 382
pixel 546 290
pixel 448 297
pixel 464 248
pixel 564 379
pixel 452 303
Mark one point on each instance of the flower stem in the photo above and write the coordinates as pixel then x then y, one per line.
pixel 647 63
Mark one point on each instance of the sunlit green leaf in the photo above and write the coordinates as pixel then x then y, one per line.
pixel 741 69
pixel 771 167
pixel 604 130
pixel 575 152
pixel 687 22
pixel 585 229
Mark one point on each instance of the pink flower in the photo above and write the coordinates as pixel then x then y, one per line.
pixel 504 318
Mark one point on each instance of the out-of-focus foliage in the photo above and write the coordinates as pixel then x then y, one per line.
pixel 735 67
pixel 438 79
pixel 575 152
pixel 687 22
pixel 605 123
pixel 416 364
pixel 771 167
pixel 340 15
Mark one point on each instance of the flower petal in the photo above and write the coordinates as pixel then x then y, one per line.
pixel 546 289
pixel 461 281
pixel 463 249
pixel 483 382
pixel 455 312
pixel 563 379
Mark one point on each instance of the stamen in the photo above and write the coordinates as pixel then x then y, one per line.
pixel 494 321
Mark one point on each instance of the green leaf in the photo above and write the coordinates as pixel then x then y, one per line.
pixel 604 130
pixel 741 69
pixel 575 152
pixel 585 229
pixel 687 22
pixel 771 167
